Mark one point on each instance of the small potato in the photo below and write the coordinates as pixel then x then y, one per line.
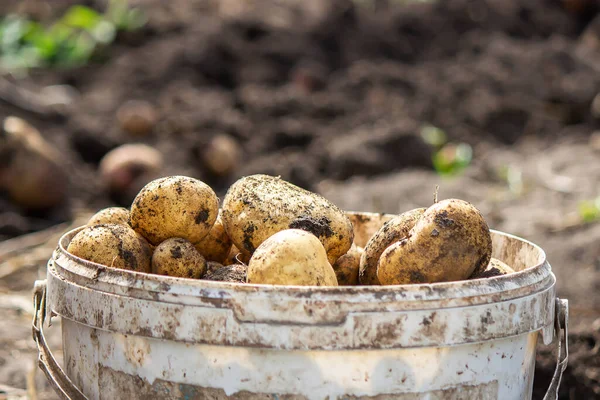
pixel 216 245
pixel 346 267
pixel 258 206
pixel 175 206
pixel 127 168
pixel 392 231
pixel 494 268
pixel 137 117
pixel 110 215
pixel 222 155
pixel 113 245
pixel 449 242
pixel 291 257
pixel 178 257
pixel 230 273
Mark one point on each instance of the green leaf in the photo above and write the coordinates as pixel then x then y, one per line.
pixel 76 51
pixel 81 17
pixel 41 41
pixel 589 211
pixel 13 29
pixel 136 18
pixel 124 18
pixel 452 159
pixel 104 32
pixel 433 136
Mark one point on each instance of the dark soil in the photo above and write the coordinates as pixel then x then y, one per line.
pixel 333 98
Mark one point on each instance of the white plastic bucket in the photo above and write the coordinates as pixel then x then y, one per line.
pixel 130 335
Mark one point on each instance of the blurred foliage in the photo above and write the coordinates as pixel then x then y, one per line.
pixel 434 136
pixel 449 159
pixel 71 41
pixel 589 210
pixel 513 176
pixel 452 159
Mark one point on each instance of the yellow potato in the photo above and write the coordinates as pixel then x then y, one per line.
pixel 229 273
pixel 110 215
pixel 258 206
pixel 346 267
pixel 449 242
pixel 216 245
pixel 175 206
pixel 291 257
pixel 494 268
pixel 178 257
pixel 392 231
pixel 113 245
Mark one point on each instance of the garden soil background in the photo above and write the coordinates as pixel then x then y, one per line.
pixel 333 96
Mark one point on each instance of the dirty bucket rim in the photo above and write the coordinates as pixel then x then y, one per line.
pixel 108 274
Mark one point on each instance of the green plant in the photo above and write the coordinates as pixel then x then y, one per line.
pixel 589 210
pixel 448 159
pixel 452 159
pixel 71 41
pixel 513 176
pixel 433 136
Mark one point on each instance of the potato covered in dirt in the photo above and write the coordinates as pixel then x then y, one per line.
pixel 137 117
pixel 212 266
pixel 291 257
pixel 175 206
pixel 110 215
pixel 392 231
pixel 258 206
pixel 31 171
pixel 127 168
pixel 215 246
pixel 112 245
pixel 450 242
pixel 494 268
pixel 178 257
pixel 229 273
pixel 346 267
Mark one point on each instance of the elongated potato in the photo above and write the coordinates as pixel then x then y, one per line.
pixel 216 244
pixel 392 231
pixel 113 245
pixel 291 257
pixel 32 174
pixel 494 268
pixel 450 242
pixel 110 215
pixel 175 206
pixel 258 206
pixel 346 267
pixel 178 257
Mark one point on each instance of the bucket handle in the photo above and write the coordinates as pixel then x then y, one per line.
pixel 67 390
pixel 63 386
pixel 561 327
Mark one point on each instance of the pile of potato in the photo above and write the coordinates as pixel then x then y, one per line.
pixel 269 231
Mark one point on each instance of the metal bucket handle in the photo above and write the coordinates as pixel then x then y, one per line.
pixel 67 390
